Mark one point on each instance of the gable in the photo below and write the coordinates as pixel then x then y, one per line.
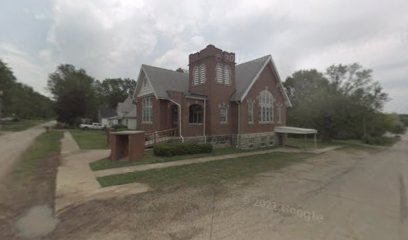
pixel 265 81
pixel 276 83
pixel 146 87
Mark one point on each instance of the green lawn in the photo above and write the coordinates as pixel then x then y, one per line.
pixel 20 125
pixel 90 139
pixel 209 172
pixel 308 142
pixel 45 145
pixel 149 157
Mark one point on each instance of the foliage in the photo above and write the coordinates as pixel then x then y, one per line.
pixel 20 100
pixel 404 119
pixel 111 91
pixel 73 91
pixel 393 123
pixel 119 127
pixel 382 141
pixel 344 102
pixel 169 150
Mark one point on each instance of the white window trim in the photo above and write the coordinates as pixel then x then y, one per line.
pixel 220 74
pixel 223 107
pixel 196 75
pixel 150 121
pixel 266 101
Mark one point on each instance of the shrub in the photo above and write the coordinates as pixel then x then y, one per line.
pixel 385 141
pixel 168 150
pixel 119 127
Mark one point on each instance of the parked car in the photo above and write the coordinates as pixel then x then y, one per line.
pixel 96 126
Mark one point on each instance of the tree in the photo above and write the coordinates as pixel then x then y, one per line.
pixel 20 100
pixel 73 91
pixel 111 91
pixel 345 102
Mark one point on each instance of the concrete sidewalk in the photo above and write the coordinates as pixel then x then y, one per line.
pixel 76 183
pixel 144 167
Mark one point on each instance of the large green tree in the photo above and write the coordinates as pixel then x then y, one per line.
pixel 74 94
pixel 20 100
pixel 344 102
pixel 111 91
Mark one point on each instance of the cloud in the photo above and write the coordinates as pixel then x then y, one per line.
pixel 24 67
pixel 112 38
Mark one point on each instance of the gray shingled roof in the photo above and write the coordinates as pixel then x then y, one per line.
pixel 164 80
pixel 245 73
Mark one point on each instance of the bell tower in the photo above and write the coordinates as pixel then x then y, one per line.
pixel 211 69
pixel 212 75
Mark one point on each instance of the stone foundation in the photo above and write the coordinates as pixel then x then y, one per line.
pixel 245 141
pixel 257 140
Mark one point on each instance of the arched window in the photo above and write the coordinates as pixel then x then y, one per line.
pixel 196 75
pixel 266 106
pixel 196 114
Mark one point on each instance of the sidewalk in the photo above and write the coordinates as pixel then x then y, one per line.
pixel 76 183
pixel 144 167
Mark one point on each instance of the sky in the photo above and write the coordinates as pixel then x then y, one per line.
pixel 112 38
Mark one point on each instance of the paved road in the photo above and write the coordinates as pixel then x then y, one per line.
pixel 335 197
pixel 13 144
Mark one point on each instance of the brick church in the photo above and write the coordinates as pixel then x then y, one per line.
pixel 216 101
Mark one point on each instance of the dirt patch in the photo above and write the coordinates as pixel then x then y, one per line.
pixel 20 190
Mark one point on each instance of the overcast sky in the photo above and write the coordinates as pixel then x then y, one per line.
pixel 112 38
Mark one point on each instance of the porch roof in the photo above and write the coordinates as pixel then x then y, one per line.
pixel 295 130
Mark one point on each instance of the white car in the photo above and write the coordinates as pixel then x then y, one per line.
pixel 96 126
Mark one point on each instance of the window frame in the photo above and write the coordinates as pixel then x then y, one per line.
pixel 223 114
pixel 195 117
pixel 250 111
pixel 266 107
pixel 147 110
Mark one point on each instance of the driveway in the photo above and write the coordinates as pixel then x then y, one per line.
pixel 343 194
pixel 13 144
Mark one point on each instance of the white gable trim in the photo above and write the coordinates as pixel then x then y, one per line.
pixel 255 78
pixel 269 60
pixel 139 85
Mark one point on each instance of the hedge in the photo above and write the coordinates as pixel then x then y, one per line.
pixel 169 150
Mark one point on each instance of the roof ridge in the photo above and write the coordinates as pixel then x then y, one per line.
pixel 266 57
pixel 165 69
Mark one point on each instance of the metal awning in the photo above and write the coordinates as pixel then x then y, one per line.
pixel 295 130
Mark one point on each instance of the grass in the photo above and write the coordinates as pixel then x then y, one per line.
pixel 206 173
pixel 149 157
pixel 20 125
pixel 308 143
pixel 90 139
pixel 46 145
